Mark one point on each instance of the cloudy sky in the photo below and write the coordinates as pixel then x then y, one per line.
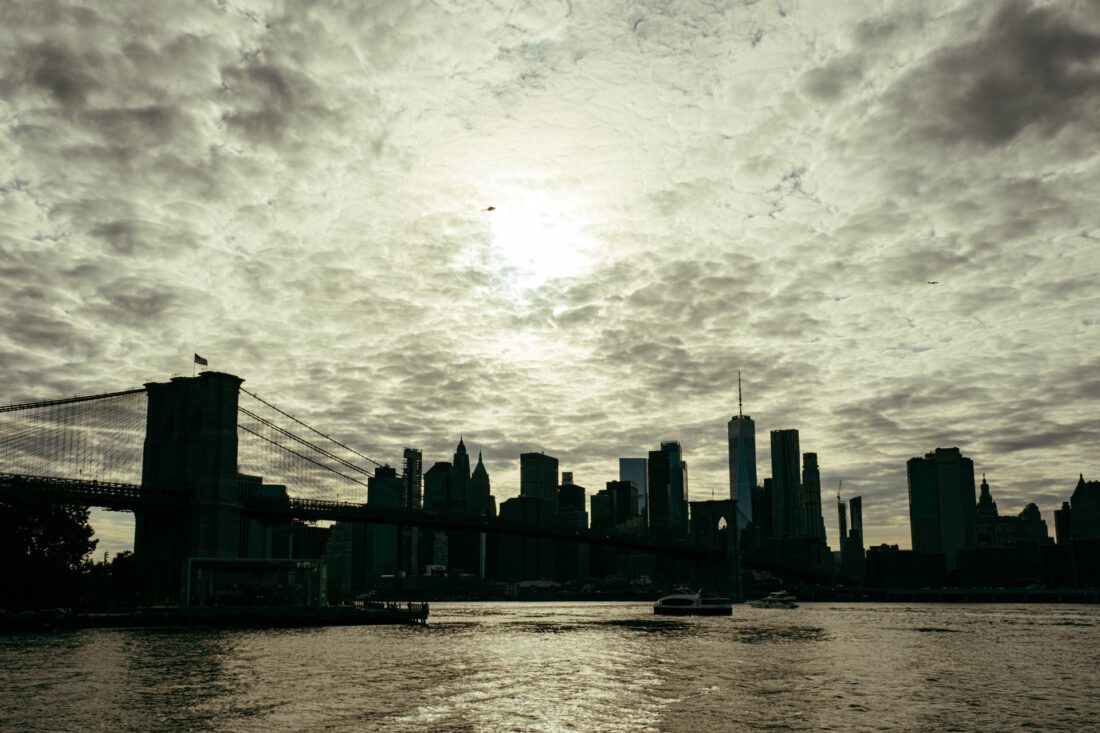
pixel 682 189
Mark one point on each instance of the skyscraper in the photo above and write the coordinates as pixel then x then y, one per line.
pixel 842 521
pixel 666 481
pixel 538 477
pixel 657 481
pixel 786 485
pixel 480 497
pixel 636 470
pixel 813 524
pixel 677 487
pixel 384 488
pixel 942 509
pixel 855 506
pixel 437 487
pixel 414 478
pixel 414 491
pixel 742 449
pixel 852 554
pixel 460 476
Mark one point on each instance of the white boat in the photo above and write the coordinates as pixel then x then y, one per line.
pixel 778 599
pixel 692 604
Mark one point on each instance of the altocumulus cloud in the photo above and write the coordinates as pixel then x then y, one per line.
pixel 297 191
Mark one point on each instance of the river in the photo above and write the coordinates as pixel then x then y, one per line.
pixel 577 667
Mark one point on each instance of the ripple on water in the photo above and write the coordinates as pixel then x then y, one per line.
pixel 575 667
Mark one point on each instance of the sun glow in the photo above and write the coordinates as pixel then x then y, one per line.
pixel 538 237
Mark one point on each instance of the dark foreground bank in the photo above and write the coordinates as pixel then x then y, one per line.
pixel 163 617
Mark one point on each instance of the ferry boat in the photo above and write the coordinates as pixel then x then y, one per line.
pixel 692 604
pixel 778 599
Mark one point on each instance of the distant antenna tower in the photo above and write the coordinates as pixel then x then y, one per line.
pixel 838 485
pixel 739 412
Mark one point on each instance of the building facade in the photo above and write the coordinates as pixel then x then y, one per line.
pixel 942 506
pixel 741 435
pixel 786 494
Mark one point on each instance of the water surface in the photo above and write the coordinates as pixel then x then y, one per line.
pixel 577 667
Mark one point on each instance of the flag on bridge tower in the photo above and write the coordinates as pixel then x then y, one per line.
pixel 200 360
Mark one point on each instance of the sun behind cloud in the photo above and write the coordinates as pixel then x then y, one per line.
pixel 539 237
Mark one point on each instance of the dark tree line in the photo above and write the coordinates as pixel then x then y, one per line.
pixel 44 551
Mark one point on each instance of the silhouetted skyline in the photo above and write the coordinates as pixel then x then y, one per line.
pixel 565 228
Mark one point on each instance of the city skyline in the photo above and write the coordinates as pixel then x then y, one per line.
pixel 115 539
pixel 566 228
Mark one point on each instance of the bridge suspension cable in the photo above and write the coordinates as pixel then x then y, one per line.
pixel 69 400
pixel 309 427
pixel 92 437
pixel 271 449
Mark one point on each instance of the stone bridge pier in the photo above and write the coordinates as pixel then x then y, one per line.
pixel 191 449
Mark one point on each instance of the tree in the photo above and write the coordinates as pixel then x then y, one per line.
pixel 44 546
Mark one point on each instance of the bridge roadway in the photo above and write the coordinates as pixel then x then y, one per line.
pixel 131 497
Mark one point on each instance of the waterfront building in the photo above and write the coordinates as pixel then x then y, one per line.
pixel 384 488
pixel 571 558
pixel 942 506
pixel 1081 516
pixel 526 558
pixel 346 561
pixel 995 530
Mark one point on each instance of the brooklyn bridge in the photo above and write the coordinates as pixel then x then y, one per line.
pixel 197 458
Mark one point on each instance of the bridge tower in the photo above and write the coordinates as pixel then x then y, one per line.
pixel 191 448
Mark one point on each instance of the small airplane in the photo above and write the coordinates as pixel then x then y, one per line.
pixel 933 282
pixel 490 208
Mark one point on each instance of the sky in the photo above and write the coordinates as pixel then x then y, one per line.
pixel 680 190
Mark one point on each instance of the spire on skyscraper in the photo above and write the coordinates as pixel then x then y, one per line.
pixel 479 469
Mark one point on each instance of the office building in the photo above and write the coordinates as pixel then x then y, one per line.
pixel 741 432
pixel 852 554
pixel 538 477
pixel 384 488
pixel 437 487
pixel 786 486
pixel 479 495
pixel 842 521
pixel 813 523
pixel 413 476
pixel 1080 518
pixel 942 506
pixel 636 470
pixel 527 558
pixel 996 530
pixel 570 495
pixel 460 478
